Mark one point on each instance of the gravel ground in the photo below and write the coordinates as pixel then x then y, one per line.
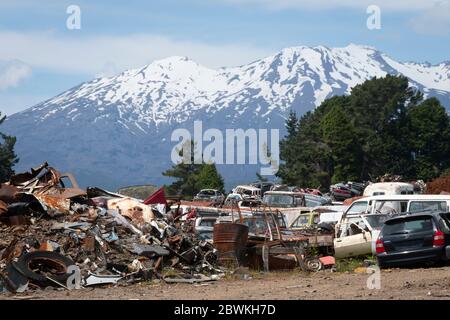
pixel 422 283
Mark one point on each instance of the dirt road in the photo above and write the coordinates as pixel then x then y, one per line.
pixel 428 283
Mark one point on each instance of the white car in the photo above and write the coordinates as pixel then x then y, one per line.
pixel 356 235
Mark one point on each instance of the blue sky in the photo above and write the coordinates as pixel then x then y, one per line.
pixel 40 57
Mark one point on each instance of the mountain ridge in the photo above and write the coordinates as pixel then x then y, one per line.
pixel 128 116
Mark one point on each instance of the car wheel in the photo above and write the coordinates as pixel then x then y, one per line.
pixel 313 264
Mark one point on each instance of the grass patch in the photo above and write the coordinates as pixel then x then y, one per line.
pixel 350 264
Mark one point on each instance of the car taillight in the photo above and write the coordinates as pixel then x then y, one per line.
pixel 438 239
pixel 379 246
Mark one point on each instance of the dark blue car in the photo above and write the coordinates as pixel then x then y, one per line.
pixel 414 238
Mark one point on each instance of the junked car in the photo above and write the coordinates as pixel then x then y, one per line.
pixel 284 199
pixel 394 204
pixel 263 186
pixel 320 235
pixel 247 191
pixel 288 202
pixel 414 238
pixel 312 200
pixel 210 195
pixel 305 220
pixel 341 191
pixel 388 188
pixel 204 227
pixel 356 235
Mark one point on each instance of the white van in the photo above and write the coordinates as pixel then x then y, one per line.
pixel 388 188
pixel 399 203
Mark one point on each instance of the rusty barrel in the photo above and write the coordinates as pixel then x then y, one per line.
pixel 230 240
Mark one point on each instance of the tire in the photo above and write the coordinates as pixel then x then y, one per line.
pixel 52 260
pixel 313 264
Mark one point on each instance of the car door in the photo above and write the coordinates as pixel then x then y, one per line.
pixel 354 241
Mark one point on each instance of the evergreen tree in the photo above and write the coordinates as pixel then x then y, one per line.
pixel 7 156
pixel 341 136
pixel 185 173
pixel 210 178
pixel 381 127
pixel 190 178
pixel 430 139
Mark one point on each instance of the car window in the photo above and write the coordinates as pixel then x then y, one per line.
pixel 316 219
pixel 418 206
pixel 312 203
pixel 205 235
pixel 376 221
pixel 352 226
pixel 279 200
pixel 411 225
pixel 207 223
pixel 391 206
pixel 301 221
pixel 358 207
pixel 444 223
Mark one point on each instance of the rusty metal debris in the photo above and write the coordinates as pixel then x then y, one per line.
pixel 56 234
pixel 52 230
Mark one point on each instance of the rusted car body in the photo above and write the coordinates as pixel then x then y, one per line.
pixel 44 185
pixel 269 245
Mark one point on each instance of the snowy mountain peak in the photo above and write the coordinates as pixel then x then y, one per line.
pixel 175 89
pixel 117 130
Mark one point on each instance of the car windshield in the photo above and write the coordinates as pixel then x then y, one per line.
pixel 207 193
pixel 280 200
pixel 409 225
pixel 259 225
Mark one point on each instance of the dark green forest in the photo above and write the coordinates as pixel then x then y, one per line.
pixel 383 126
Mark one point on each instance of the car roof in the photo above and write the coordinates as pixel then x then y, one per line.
pixel 284 192
pixel 407 197
pixel 248 187
pixel 407 215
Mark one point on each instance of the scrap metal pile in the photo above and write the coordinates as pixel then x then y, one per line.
pixel 52 233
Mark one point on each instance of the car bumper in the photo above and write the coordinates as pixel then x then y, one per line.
pixel 411 257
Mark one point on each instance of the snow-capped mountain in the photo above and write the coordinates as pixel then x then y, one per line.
pixel 116 131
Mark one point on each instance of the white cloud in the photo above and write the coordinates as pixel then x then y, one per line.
pixel 396 5
pixel 12 72
pixel 100 54
pixel 433 21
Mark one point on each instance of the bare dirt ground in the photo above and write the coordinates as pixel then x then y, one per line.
pixel 422 283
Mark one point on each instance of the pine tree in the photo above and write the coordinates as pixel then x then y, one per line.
pixel 383 126
pixel 190 178
pixel 340 135
pixel 184 173
pixel 430 139
pixel 8 157
pixel 210 178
